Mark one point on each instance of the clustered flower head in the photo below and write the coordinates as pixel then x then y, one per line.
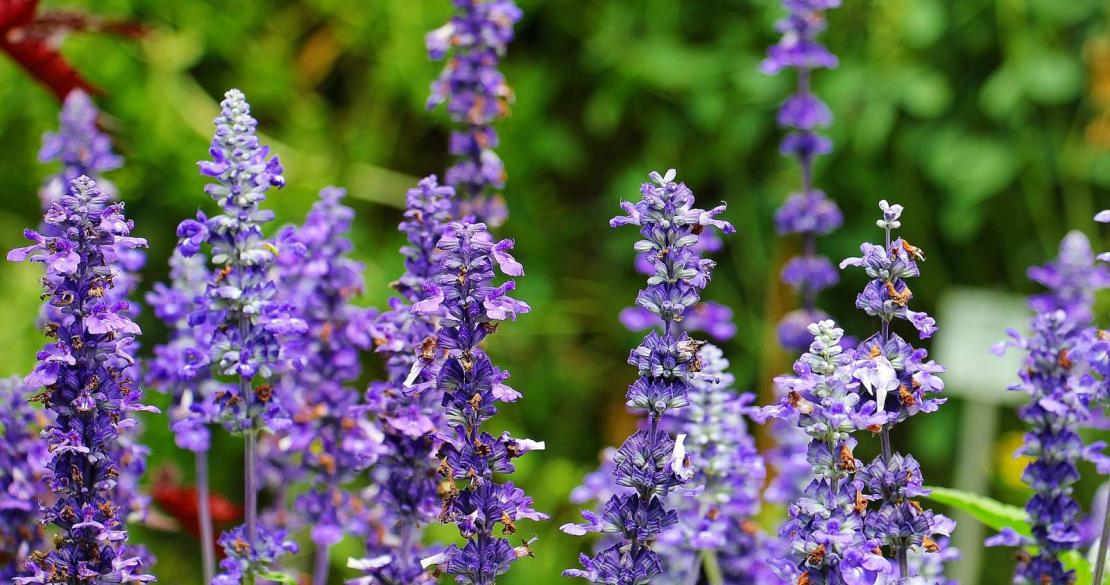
pixel 476 95
pixel 23 460
pixel 902 383
pixel 410 412
pixel 1061 352
pixel 462 295
pixel 83 378
pixel 246 328
pixel 242 558
pixel 331 435
pixel 651 463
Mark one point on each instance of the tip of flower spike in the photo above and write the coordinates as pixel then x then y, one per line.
pixel 663 179
pixel 234 96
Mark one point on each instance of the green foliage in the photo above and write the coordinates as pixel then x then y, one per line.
pixel 997 515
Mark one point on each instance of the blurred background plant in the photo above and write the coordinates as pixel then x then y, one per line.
pixel 988 119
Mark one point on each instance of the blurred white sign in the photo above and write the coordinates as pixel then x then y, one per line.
pixel 971 322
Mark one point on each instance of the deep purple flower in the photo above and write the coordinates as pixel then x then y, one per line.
pixel 242 557
pixel 85 380
pixel 651 464
pixel 249 327
pixel 476 95
pixel 809 212
pixel 23 462
pixel 409 405
pixel 1064 374
pixel 902 383
pixel 468 306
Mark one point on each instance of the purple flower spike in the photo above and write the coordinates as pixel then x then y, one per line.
pixel 824 530
pixel 888 372
pixel 1071 279
pixel 84 379
pixel 1065 375
pixel 83 150
pixel 331 437
pixel 80 147
pixel 239 319
pixel 808 213
pixel 729 476
pixel 408 403
pixel 476 95
pixel 651 464
pixel 468 305
pixel 23 463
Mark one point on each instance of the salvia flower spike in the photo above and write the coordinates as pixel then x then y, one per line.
pixel 808 213
pixel 23 462
pixel 902 383
pixel 84 379
pixel 476 95
pixel 469 306
pixel 249 327
pixel 331 435
pixel 411 413
pixel 83 149
pixel 651 462
pixel 1061 352
pixel 80 147
pixel 1098 355
pixel 180 368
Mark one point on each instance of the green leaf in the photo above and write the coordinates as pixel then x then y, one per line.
pixel 276 576
pixel 990 512
pixel 1075 561
pixel 1049 76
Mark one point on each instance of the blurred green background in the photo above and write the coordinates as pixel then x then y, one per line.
pixel 988 119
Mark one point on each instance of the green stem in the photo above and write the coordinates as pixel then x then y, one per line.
pixel 711 568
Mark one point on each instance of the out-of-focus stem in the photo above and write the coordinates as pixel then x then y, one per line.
pixel 712 568
pixel 1100 562
pixel 204 516
pixel 323 564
